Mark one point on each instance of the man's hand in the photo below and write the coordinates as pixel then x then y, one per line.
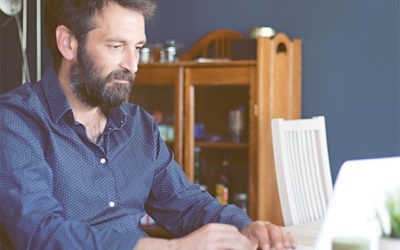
pixel 214 236
pixel 211 237
pixel 268 236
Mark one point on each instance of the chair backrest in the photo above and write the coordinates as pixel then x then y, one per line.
pixel 302 168
pixel 216 44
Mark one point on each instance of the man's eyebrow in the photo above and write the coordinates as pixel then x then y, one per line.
pixel 121 40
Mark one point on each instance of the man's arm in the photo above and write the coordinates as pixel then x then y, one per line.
pixel 181 207
pixel 30 215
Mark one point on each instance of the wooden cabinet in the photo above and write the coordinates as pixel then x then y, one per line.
pixel 278 95
pixel 204 93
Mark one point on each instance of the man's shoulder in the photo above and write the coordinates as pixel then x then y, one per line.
pixel 21 109
pixel 25 96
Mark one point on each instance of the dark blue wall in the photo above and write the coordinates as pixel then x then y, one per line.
pixel 351 60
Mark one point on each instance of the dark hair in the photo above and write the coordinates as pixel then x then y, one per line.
pixel 78 15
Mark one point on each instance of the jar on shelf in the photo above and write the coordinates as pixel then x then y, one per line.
pixel 240 200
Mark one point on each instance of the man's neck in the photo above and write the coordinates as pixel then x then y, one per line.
pixel 92 118
pixel 94 121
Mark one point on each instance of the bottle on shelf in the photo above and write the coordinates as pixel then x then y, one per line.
pixel 198 171
pixel 240 200
pixel 236 124
pixel 165 126
pixel 222 183
pixel 170 136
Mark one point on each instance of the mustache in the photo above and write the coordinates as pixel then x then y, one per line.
pixel 121 75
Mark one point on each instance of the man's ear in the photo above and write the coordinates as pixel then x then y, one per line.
pixel 66 43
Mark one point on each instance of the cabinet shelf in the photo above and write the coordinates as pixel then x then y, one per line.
pixel 222 145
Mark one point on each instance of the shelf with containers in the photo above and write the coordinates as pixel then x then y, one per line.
pixel 213 91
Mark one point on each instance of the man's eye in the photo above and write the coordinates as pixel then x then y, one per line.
pixel 116 46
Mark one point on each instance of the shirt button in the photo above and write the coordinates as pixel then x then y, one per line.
pixel 102 160
pixel 111 204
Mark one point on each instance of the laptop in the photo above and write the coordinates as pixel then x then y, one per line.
pixel 358 196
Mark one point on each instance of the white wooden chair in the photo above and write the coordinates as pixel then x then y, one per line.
pixel 302 168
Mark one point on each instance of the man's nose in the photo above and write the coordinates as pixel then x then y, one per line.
pixel 130 60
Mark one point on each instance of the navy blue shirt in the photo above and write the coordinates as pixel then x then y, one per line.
pixel 59 190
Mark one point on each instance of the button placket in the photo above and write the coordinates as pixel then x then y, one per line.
pixel 111 203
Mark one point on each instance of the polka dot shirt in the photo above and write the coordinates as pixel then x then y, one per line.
pixel 58 189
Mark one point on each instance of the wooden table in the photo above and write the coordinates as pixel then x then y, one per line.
pixel 305 234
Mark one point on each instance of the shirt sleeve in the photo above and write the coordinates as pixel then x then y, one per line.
pixel 181 207
pixel 30 216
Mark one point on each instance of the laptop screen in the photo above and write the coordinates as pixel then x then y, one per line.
pixel 359 193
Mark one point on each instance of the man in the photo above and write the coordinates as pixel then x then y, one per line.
pixel 80 166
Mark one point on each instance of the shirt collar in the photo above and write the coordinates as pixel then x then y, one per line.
pixel 116 118
pixel 58 103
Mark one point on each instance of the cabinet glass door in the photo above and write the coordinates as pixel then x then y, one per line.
pixel 158 89
pixel 158 100
pixel 218 100
pixel 221 138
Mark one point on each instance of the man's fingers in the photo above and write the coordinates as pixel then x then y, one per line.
pixel 289 241
pixel 275 233
pixel 269 236
pixel 260 232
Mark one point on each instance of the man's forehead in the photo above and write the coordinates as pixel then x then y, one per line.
pixel 116 14
pixel 121 22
